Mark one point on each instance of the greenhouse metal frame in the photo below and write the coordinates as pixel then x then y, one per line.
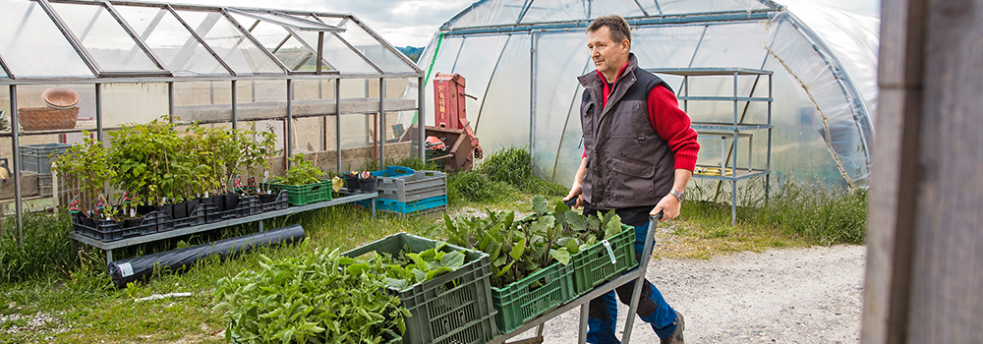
pixel 38 32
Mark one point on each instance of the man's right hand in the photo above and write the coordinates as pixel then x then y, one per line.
pixel 576 192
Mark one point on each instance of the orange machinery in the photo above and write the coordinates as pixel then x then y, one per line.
pixel 451 139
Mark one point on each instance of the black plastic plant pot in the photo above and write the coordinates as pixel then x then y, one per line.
pixel 231 200
pixel 352 183
pixel 218 201
pixel 192 204
pixel 368 184
pixel 87 221
pixel 267 198
pixel 167 208
pixel 180 210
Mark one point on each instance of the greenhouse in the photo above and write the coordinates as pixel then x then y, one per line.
pixel 794 83
pixel 318 81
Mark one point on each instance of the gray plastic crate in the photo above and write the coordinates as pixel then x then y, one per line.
pixel 34 158
pixel 420 185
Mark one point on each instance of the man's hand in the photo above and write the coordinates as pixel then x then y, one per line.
pixel 669 206
pixel 575 192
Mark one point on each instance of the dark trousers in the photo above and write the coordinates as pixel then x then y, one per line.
pixel 652 308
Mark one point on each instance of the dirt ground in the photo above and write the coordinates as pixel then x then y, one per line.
pixel 810 295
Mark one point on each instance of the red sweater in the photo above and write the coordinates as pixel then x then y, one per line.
pixel 672 124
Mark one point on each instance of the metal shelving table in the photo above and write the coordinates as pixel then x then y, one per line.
pixel 637 275
pixel 735 129
pixel 110 246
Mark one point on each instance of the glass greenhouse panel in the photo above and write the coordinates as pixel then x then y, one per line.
pixel 667 47
pixel 33 47
pixel 337 54
pixel 285 20
pixel 490 12
pixel 326 19
pixel 206 101
pixel 289 50
pixel 178 50
pixel 124 103
pixel 104 39
pixel 371 48
pixel 240 53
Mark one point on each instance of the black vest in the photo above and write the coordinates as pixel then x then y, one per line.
pixel 628 163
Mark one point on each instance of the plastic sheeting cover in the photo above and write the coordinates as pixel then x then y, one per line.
pixel 507 12
pixel 823 92
pixel 139 268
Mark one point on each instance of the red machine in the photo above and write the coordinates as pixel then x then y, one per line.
pixel 450 140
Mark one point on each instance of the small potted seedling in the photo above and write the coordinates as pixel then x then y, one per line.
pixel 351 181
pixel 367 182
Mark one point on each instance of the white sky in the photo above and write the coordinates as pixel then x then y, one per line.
pixel 414 22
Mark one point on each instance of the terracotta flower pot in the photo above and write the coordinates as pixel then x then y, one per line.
pixel 60 98
pixel 46 118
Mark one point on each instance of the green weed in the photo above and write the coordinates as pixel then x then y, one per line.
pixel 46 251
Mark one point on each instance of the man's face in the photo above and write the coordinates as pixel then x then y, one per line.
pixel 608 55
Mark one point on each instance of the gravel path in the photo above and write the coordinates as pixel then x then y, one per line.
pixel 810 295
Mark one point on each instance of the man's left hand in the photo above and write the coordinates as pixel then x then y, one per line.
pixel 669 206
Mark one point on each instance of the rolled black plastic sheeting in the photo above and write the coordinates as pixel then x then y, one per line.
pixel 134 269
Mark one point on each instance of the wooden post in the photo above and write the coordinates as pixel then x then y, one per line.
pixel 925 245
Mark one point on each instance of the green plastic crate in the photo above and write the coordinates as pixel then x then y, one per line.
pixel 592 266
pixel 306 194
pixel 519 302
pixel 454 308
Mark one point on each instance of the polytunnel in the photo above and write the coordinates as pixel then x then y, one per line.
pixel 816 65
pixel 324 83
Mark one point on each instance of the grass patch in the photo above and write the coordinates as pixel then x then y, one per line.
pixel 47 250
pixel 795 216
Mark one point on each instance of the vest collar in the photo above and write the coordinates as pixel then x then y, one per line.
pixel 595 84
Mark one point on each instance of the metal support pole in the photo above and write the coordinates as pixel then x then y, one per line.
pixel 733 202
pixel 99 130
pixel 643 265
pixel 337 121
pixel 288 128
pixel 421 120
pixel 235 106
pixel 532 98
pixel 382 123
pixel 768 158
pixel 734 146
pixel 584 314
pixel 170 100
pixel 15 165
pixel 320 51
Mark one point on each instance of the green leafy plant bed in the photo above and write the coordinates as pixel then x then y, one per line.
pixel 446 305
pixel 313 298
pixel 531 257
pixel 595 264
